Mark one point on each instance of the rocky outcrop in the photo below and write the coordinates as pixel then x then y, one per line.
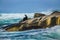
pixel 35 23
pixel 38 15
pixel 55 13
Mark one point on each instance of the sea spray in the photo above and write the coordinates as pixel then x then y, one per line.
pixel 43 34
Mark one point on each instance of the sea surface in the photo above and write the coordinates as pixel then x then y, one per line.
pixel 52 33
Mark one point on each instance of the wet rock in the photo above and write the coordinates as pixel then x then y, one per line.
pixel 55 13
pixel 35 23
pixel 38 15
pixel 58 20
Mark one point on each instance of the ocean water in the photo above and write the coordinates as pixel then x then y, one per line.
pixel 52 33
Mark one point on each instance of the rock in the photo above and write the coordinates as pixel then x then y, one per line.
pixel 38 15
pixel 12 27
pixel 35 23
pixel 58 20
pixel 55 13
pixel 53 21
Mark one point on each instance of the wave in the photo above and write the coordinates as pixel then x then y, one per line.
pixel 10 18
pixel 52 33
pixel 39 34
pixel 15 15
pixel 8 21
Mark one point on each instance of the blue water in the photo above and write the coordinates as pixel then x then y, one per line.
pixel 34 34
pixel 52 33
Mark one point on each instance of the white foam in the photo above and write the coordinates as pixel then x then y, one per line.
pixel 15 15
pixel 21 15
pixel 47 12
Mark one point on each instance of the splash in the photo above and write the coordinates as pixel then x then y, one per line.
pixel 42 34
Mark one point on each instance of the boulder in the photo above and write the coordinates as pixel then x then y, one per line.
pixel 55 13
pixel 35 23
pixel 38 15
pixel 58 20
